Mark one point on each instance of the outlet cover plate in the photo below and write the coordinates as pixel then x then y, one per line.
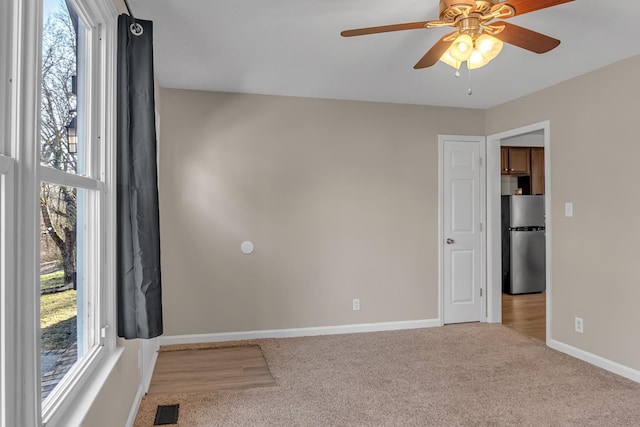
pixel 568 209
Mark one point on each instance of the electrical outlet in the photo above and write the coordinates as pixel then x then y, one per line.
pixel 356 304
pixel 579 325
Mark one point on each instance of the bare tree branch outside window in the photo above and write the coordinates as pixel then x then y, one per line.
pixel 58 108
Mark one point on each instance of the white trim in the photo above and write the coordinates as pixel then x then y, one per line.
pixel 85 393
pixel 66 179
pixel 133 413
pixel 8 261
pixel 8 236
pixel 146 366
pixel 7 165
pixel 483 220
pixel 64 394
pixel 483 228
pixel 494 257
pixel 6 59
pixel 107 138
pixel 440 230
pixel 548 227
pixel 147 355
pixel 299 332
pixel 25 125
pixel 494 238
pixel 601 362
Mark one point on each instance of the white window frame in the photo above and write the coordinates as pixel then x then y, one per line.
pixel 6 43
pixel 8 359
pixel 21 173
pixel 7 223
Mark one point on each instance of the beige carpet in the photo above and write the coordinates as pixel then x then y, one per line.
pixel 466 375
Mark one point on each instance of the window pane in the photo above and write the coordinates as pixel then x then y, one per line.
pixel 63 318
pixel 62 118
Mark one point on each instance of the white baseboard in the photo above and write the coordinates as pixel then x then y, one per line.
pixel 150 356
pixel 601 362
pixel 143 387
pixel 136 405
pixel 299 332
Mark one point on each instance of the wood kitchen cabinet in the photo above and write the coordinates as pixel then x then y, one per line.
pixel 537 170
pixel 527 164
pixel 515 161
pixel 504 160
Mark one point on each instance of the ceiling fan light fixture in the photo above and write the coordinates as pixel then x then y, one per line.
pixel 476 60
pixel 461 48
pixel 450 60
pixel 489 45
pixel 474 40
pixel 477 53
pixel 486 48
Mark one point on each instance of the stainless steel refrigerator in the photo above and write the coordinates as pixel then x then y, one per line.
pixel 523 244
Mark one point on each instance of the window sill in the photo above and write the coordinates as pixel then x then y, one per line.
pixel 71 408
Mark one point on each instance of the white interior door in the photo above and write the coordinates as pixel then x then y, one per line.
pixel 461 226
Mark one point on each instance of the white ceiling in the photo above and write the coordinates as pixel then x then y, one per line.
pixel 294 48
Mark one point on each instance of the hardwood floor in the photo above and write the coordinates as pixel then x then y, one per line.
pixel 526 314
pixel 210 369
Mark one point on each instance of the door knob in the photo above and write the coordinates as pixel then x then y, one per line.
pixel 450 241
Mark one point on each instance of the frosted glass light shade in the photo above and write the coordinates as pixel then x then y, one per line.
pixel 486 48
pixel 461 48
pixel 450 60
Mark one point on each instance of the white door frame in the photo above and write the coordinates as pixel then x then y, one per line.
pixel 483 220
pixel 494 257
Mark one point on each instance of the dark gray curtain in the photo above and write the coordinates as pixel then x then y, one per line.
pixel 138 235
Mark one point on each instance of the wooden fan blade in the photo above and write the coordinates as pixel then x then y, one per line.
pixel 525 38
pixel 384 29
pixel 434 54
pixel 526 6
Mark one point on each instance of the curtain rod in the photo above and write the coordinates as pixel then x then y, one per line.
pixel 126 3
pixel 135 28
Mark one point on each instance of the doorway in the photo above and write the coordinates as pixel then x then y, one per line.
pixel 533 135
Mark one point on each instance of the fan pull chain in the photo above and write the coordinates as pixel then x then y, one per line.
pixel 457 73
pixel 470 92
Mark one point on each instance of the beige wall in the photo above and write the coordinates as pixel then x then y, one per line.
pixel 595 147
pixel 339 198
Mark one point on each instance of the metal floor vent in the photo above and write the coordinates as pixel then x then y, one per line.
pixel 167 414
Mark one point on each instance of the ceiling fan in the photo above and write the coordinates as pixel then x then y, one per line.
pixel 477 40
